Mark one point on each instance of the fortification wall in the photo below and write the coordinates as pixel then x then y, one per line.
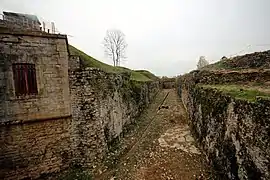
pixel 233 133
pixel 49 55
pixel 33 149
pixel 37 133
pixel 168 83
pixel 34 128
pixel 222 77
pixel 102 105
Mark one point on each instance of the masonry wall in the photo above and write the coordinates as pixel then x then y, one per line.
pixel 168 83
pixel 38 135
pixel 234 134
pixel 35 149
pixel 50 56
pixel 221 77
pixel 256 60
pixel 35 130
pixel 74 63
pixel 21 22
pixel 102 105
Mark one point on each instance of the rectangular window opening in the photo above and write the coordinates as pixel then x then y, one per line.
pixel 25 82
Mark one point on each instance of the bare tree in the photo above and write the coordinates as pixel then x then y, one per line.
pixel 202 62
pixel 115 45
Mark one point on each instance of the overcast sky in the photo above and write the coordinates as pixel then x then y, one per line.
pixel 164 36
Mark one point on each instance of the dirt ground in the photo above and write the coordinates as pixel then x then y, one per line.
pixel 158 147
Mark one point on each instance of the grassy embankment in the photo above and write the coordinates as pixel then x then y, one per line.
pixel 137 75
pixel 240 92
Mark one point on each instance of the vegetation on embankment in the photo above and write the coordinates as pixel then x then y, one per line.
pixel 230 122
pixel 137 75
pixel 256 60
pixel 228 105
pixel 239 92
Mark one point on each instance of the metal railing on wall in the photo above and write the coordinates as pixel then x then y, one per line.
pixel 49 27
pixel 45 25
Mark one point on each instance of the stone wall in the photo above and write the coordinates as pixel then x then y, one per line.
pixel 168 83
pixel 16 25
pixel 221 77
pixel 49 54
pixel 256 60
pixel 32 149
pixel 34 129
pixel 233 133
pixel 74 63
pixel 102 104
pixel 37 133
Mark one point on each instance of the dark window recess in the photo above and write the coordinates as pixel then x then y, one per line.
pixel 24 79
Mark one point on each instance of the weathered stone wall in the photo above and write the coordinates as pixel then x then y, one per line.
pixel 233 133
pixel 50 55
pixel 74 63
pixel 102 104
pixel 221 77
pixel 34 129
pixel 256 60
pixel 37 134
pixel 32 149
pixel 168 83
pixel 20 22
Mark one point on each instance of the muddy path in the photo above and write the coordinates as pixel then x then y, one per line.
pixel 160 146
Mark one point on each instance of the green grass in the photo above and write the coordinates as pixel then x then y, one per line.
pixel 90 61
pixel 147 74
pixel 256 60
pixel 220 65
pixel 137 75
pixel 239 92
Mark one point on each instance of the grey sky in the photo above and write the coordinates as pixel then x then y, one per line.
pixel 164 36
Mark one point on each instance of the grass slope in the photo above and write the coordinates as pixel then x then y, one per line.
pixel 256 60
pixel 138 75
pixel 147 74
pixel 239 92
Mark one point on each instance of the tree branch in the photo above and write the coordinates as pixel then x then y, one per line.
pixel 115 45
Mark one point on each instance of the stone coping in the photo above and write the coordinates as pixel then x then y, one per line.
pixel 31 33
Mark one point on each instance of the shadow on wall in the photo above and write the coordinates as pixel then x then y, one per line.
pixel 102 105
pixel 234 133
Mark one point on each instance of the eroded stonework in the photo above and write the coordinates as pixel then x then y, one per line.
pixel 233 133
pixel 75 116
pixel 102 104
